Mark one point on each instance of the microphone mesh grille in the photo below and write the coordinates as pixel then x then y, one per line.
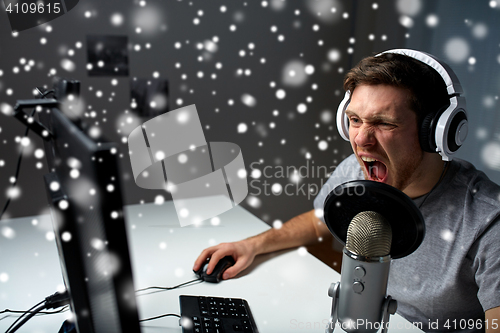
pixel 369 234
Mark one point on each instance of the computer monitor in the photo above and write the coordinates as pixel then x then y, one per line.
pixel 84 193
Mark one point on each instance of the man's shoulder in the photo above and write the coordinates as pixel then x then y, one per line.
pixel 479 195
pixel 476 182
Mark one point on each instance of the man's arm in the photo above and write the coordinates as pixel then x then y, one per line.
pixel 301 230
pixel 492 317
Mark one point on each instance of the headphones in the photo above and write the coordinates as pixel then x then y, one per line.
pixel 442 131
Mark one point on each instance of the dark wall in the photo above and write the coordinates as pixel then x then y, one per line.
pixel 329 35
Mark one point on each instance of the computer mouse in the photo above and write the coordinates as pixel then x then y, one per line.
pixel 216 275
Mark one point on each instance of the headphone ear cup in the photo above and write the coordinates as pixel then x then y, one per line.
pixel 426 133
pixel 457 132
pixel 342 119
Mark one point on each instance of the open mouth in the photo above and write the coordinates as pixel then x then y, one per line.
pixel 375 169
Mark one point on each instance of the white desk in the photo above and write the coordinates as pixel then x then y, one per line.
pixel 286 291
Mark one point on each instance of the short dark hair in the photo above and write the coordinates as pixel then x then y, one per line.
pixel 427 89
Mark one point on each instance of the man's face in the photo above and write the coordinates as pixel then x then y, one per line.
pixel 384 136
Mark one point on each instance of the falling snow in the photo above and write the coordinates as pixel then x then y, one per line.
pixel 457 49
pixel 268 75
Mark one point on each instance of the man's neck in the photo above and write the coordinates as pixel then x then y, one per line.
pixel 427 177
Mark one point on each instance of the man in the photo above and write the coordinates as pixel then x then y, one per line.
pixel 455 273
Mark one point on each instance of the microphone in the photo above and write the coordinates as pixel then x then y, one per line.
pixel 359 299
pixel 377 223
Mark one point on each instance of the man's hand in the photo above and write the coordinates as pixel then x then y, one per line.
pixel 243 253
pixel 301 230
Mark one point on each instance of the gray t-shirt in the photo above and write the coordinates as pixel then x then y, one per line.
pixel 455 273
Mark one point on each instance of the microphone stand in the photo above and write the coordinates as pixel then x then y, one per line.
pixel 340 207
pixel 389 307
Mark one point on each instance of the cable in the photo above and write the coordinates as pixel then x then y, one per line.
pixel 171 288
pixel 157 317
pixel 31 314
pixel 44 94
pixel 56 300
pixel 167 288
pixel 18 167
pixel 18 319
pixel 41 313
pixel 23 311
pixel 51 302
pixel 62 299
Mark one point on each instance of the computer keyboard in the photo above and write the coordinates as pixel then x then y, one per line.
pixel 202 314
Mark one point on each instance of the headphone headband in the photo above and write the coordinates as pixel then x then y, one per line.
pixel 453 85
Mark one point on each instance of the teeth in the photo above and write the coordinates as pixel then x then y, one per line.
pixel 368 159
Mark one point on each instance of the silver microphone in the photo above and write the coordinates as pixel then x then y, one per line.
pixel 360 303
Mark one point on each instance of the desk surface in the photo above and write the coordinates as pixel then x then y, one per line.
pixel 286 291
